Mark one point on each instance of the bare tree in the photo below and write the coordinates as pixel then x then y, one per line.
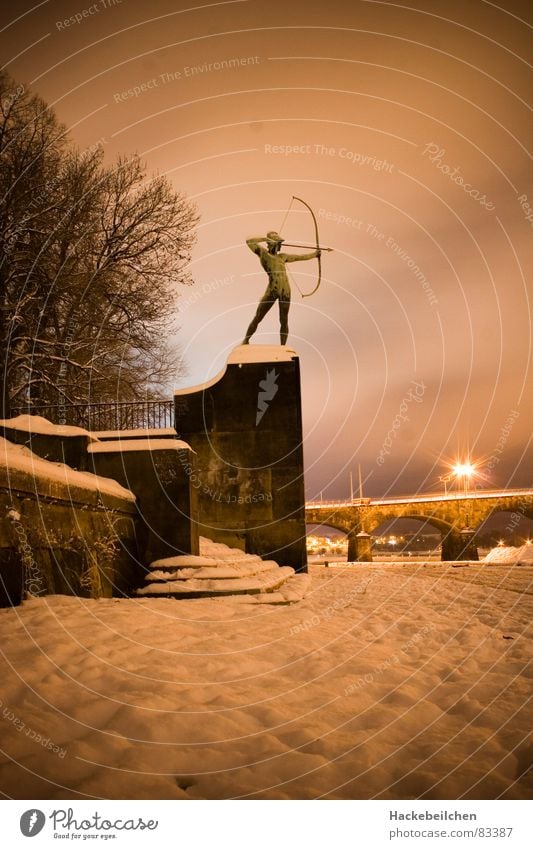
pixel 31 144
pixel 91 260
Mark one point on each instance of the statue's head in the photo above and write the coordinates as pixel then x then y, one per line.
pixel 274 241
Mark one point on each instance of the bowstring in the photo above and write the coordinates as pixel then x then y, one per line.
pixel 295 283
pixel 280 230
pixel 286 215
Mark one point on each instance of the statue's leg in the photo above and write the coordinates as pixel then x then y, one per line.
pixel 284 304
pixel 265 304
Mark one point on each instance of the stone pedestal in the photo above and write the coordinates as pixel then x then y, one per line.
pixel 245 426
pixel 360 548
pixel 160 473
pixel 459 545
pixel 468 545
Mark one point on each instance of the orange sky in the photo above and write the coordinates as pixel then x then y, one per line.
pixel 374 113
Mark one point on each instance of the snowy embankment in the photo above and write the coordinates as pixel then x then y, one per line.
pixel 510 554
pixel 390 682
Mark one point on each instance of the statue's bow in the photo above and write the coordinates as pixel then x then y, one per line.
pixel 317 241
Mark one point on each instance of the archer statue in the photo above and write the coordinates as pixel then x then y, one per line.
pixel 278 289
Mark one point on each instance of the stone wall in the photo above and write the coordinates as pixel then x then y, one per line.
pixel 155 470
pixel 75 536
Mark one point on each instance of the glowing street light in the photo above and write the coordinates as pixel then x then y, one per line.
pixel 464 471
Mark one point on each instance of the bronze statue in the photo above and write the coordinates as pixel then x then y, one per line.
pixel 273 262
pixel 278 288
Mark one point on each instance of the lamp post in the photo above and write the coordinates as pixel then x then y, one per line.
pixel 445 479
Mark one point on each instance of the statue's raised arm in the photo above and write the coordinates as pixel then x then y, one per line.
pixel 254 243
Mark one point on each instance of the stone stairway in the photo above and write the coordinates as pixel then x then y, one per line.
pixel 220 571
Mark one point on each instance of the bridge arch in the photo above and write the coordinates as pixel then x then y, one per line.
pixel 335 526
pixel 454 515
pixel 453 543
pixel 524 511
pixel 439 524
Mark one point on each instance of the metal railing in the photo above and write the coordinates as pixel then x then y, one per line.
pixel 114 415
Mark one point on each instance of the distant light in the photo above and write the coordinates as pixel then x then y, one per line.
pixel 462 470
pixel 501 542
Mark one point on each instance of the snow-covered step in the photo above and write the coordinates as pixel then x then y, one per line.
pixel 183 561
pixel 220 551
pixel 196 562
pixel 264 582
pixel 224 569
pixel 220 571
pixel 294 589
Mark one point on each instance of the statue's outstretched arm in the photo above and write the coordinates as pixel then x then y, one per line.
pixel 300 257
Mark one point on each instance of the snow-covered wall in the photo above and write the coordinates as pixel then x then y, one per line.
pixel 63 531
pixel 156 471
pixel 58 443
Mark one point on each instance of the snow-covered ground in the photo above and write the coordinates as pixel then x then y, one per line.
pixel 386 681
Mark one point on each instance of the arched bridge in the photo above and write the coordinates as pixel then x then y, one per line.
pixel 456 516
